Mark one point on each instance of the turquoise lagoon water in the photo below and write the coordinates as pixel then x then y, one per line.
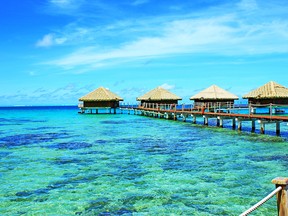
pixel 55 161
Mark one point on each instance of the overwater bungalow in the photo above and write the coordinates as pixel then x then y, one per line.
pixel 159 96
pixel 214 98
pixel 100 98
pixel 271 92
pixel 271 95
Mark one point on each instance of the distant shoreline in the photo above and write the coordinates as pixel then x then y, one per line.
pixel 36 106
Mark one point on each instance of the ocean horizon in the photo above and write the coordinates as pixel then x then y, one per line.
pixel 55 161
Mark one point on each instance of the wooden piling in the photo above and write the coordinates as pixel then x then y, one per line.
pixel 205 120
pixel 221 122
pixel 253 127
pixel 234 123
pixel 282 196
pixel 184 118
pixel 194 119
pixel 239 125
pixel 278 128
pixel 262 127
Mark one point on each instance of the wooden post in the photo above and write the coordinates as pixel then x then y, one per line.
pixel 221 122
pixel 239 125
pixel 175 116
pixel 184 118
pixel 233 123
pixel 253 126
pixel 262 128
pixel 282 199
pixel 194 119
pixel 205 120
pixel 278 128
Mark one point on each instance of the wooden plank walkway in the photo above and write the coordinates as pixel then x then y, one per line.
pixel 235 117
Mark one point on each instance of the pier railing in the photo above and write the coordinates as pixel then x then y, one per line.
pixel 281 194
pixel 218 107
pixel 197 106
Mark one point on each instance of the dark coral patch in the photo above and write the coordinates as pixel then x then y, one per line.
pixel 70 145
pixel 30 139
pixel 113 122
pixel 67 160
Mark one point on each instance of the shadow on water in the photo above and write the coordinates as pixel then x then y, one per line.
pixel 31 139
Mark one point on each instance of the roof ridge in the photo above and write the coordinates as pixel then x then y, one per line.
pixel 269 90
pixel 214 92
pixel 101 94
pixel 107 93
pixel 273 87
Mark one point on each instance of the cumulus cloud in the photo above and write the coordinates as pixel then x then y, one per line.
pixel 46 41
pixel 50 40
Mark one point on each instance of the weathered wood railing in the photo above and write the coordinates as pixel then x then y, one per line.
pixel 281 194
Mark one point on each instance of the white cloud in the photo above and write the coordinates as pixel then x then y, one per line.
pixel 46 41
pixel 61 3
pixel 167 86
pixel 217 35
pixel 228 34
pixel 50 40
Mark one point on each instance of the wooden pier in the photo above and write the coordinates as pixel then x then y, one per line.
pixel 173 112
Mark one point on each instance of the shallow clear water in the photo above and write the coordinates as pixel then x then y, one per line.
pixel 55 161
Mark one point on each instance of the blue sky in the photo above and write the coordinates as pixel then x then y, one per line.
pixel 55 51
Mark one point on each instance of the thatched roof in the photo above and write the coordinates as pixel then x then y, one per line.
pixel 101 94
pixel 269 90
pixel 214 93
pixel 159 94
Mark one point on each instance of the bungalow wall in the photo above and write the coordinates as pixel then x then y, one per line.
pixel 214 103
pixel 159 102
pixel 283 101
pixel 112 104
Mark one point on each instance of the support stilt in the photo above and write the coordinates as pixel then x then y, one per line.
pixel 205 120
pixel 233 123
pixel 262 128
pixel 253 126
pixel 239 125
pixel 194 119
pixel 278 128
pixel 221 122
